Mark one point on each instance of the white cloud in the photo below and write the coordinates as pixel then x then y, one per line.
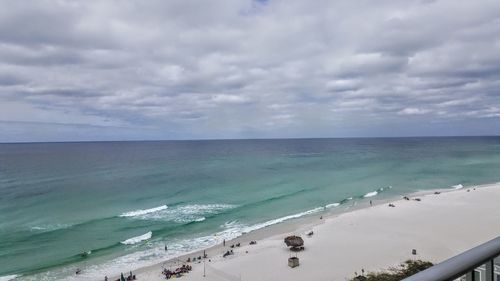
pixel 413 111
pixel 224 68
pixel 229 99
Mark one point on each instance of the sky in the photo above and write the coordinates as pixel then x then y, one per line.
pixel 218 69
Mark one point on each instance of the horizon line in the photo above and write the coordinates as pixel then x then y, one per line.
pixel 256 139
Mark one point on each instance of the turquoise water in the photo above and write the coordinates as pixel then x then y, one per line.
pixel 123 201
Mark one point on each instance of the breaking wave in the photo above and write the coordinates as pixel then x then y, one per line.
pixel 375 192
pixel 48 227
pixel 137 239
pixel 332 205
pixel 8 277
pixel 458 186
pixel 370 194
pixel 142 212
pixel 282 219
pixel 181 213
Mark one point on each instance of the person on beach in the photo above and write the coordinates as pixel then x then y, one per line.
pixel 224 242
pixel 371 203
pixel 165 248
pixel 106 278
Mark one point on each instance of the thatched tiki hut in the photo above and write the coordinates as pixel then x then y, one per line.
pixel 295 242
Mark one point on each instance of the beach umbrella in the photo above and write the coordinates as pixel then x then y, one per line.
pixel 294 241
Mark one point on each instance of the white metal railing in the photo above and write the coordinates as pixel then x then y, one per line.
pixel 476 264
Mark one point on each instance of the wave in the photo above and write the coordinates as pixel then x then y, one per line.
pixel 8 277
pixel 458 186
pixel 375 192
pixel 49 227
pixel 282 219
pixel 185 213
pixel 196 209
pixel 137 239
pixel 154 252
pixel 142 212
pixel 370 194
pixel 332 205
pixel 345 200
pixel 229 224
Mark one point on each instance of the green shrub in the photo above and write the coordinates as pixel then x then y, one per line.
pixel 404 270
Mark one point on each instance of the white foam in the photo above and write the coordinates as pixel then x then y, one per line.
pixel 49 227
pixel 142 212
pixel 200 219
pixel 138 239
pixel 183 213
pixel 155 251
pixel 458 186
pixel 370 194
pixel 282 219
pixel 229 224
pixel 8 277
pixel 332 205
pixel 196 209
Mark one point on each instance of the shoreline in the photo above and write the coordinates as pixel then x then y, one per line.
pixel 275 233
pixel 304 221
pixel 298 226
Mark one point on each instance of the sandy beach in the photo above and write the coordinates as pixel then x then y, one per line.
pixel 371 238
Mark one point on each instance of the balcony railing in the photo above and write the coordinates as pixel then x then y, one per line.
pixel 481 263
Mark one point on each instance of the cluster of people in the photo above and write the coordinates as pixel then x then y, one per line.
pixel 228 253
pixel 199 258
pixel 177 272
pixel 416 199
pixel 130 277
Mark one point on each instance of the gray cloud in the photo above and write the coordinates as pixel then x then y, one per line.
pixel 241 68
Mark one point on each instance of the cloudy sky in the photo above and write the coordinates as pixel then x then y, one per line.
pixel 182 69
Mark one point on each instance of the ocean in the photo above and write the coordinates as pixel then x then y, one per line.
pixel 104 207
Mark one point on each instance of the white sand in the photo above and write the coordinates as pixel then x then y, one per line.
pixel 373 238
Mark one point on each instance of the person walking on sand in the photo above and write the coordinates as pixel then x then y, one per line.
pixel 224 242
pixel 371 203
pixel 106 278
